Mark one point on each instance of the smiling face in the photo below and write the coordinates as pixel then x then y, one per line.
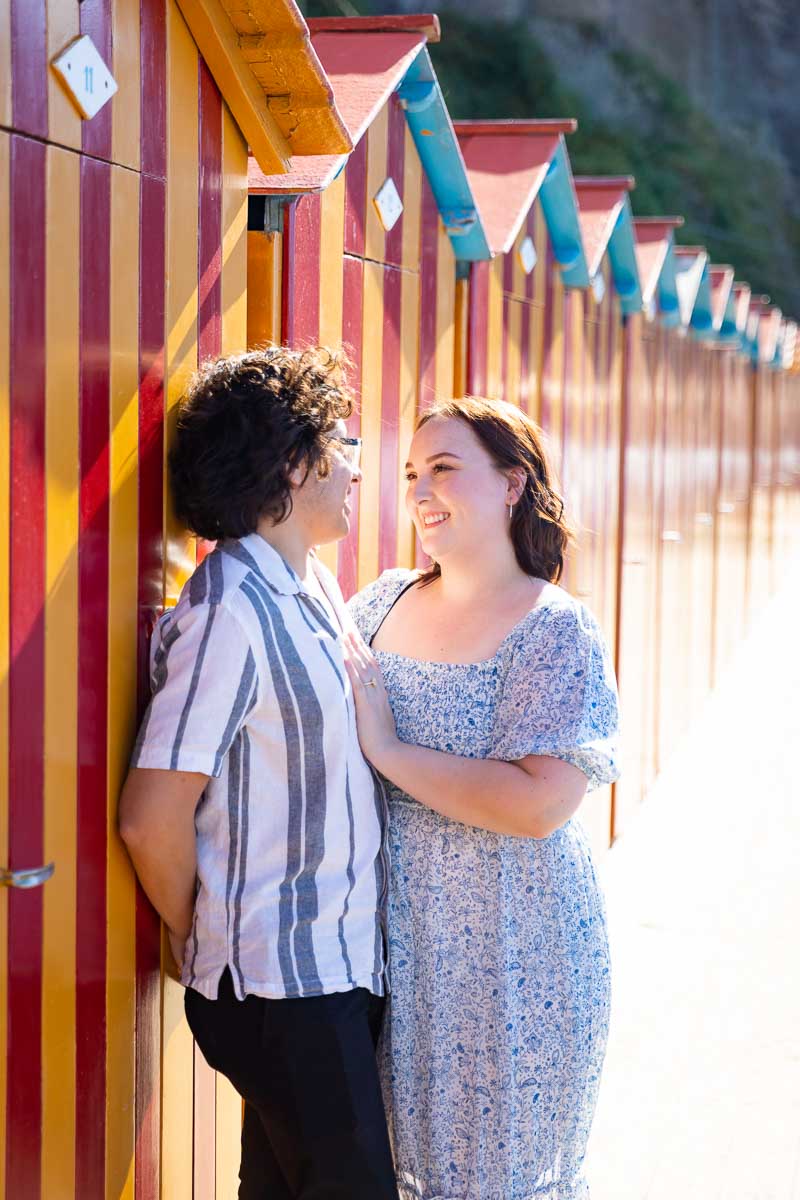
pixel 323 504
pixel 456 497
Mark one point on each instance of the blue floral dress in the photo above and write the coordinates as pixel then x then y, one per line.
pixel 496 1032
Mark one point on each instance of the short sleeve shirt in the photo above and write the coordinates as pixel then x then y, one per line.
pixel 249 688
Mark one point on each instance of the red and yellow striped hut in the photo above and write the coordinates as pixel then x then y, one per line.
pixel 642 508
pixel 365 255
pixel 126 261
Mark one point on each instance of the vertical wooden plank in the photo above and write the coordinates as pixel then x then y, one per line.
pixel 126 118
pixel 93 571
pixel 209 218
pixel 331 268
pixel 61 674
pixel 477 345
pixel 461 337
pixel 371 392
pixel 429 223
pixel 396 139
pixel 183 232
pixel 355 207
pixel 96 22
pixel 301 268
pixel 5 75
pixel 27 664
pixel 122 671
pixel 264 287
pixel 234 237
pixel 352 338
pixel 5 522
pixel 445 314
pixel 412 202
pixel 494 336
pixel 390 416
pixel 28 29
pixel 409 342
pixel 377 150
pixel 63 25
pixel 152 276
pixel 513 351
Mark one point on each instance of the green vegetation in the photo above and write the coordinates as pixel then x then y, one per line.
pixel 733 195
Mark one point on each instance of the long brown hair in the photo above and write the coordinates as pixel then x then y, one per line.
pixel 539 531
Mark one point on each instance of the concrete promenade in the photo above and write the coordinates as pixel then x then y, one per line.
pixel 701 1092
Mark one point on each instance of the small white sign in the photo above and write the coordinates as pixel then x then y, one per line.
pixel 527 255
pixel 85 76
pixel 388 204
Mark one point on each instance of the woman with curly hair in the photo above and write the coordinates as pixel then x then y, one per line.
pixel 485 696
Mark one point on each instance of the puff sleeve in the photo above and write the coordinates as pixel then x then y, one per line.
pixel 559 696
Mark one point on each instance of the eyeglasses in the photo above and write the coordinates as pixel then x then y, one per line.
pixel 350 449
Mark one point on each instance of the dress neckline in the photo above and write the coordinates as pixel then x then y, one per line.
pixel 482 662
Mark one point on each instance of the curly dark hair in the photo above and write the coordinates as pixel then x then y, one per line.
pixel 245 423
pixel 539 531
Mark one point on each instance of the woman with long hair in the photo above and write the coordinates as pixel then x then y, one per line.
pixel 486 698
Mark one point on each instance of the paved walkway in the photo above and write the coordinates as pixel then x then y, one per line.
pixel 701 1092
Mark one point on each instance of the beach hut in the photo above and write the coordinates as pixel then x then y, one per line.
pixel 123 206
pixel 367 249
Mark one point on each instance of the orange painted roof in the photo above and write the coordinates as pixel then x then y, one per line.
pixel 507 162
pixel 599 203
pixel 652 244
pixel 364 68
pixel 721 282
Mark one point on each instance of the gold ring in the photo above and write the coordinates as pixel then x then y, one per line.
pixel 371 683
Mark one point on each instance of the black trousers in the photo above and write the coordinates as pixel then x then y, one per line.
pixel 314 1126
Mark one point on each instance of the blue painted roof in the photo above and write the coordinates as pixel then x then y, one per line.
pixel 668 306
pixel 622 255
pixel 437 145
pixel 560 209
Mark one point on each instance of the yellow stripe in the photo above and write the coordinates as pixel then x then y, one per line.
pixel 234 236
pixel 371 363
pixel 177 1048
pixel 5 520
pixel 264 278
pixel 64 120
pixel 412 204
pixel 377 150
pixel 556 380
pixel 494 333
pixel 5 119
pixel 518 276
pixel 125 117
pixel 409 368
pixel 461 337
pixel 535 360
pixel 331 257
pixel 122 622
pixel 540 242
pixel 445 315
pixel 514 352
pixel 61 672
pixel 182 168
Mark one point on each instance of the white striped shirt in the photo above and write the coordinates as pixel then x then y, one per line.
pixel 249 687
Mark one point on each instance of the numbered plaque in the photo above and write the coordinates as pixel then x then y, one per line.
pixel 86 77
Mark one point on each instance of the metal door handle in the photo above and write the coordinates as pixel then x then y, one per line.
pixel 31 878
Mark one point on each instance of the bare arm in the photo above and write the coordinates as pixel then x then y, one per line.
pixel 156 823
pixel 529 798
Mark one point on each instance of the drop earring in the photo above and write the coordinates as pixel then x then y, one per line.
pixel 510 511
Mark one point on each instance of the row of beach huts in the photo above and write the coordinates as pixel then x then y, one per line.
pixel 184 178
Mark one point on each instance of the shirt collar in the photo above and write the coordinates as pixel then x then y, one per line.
pixel 258 554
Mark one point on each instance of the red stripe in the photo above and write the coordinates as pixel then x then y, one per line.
pixel 390 418
pixel 96 22
pixel 395 166
pixel 352 317
pixel 427 296
pixel 355 200
pixel 508 284
pixel 478 329
pixel 302 234
pixel 530 230
pixel 209 242
pixel 152 274
pixel 29 66
pixel 90 969
pixel 26 674
pixel 524 358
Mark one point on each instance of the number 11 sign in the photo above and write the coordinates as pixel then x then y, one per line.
pixel 86 77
